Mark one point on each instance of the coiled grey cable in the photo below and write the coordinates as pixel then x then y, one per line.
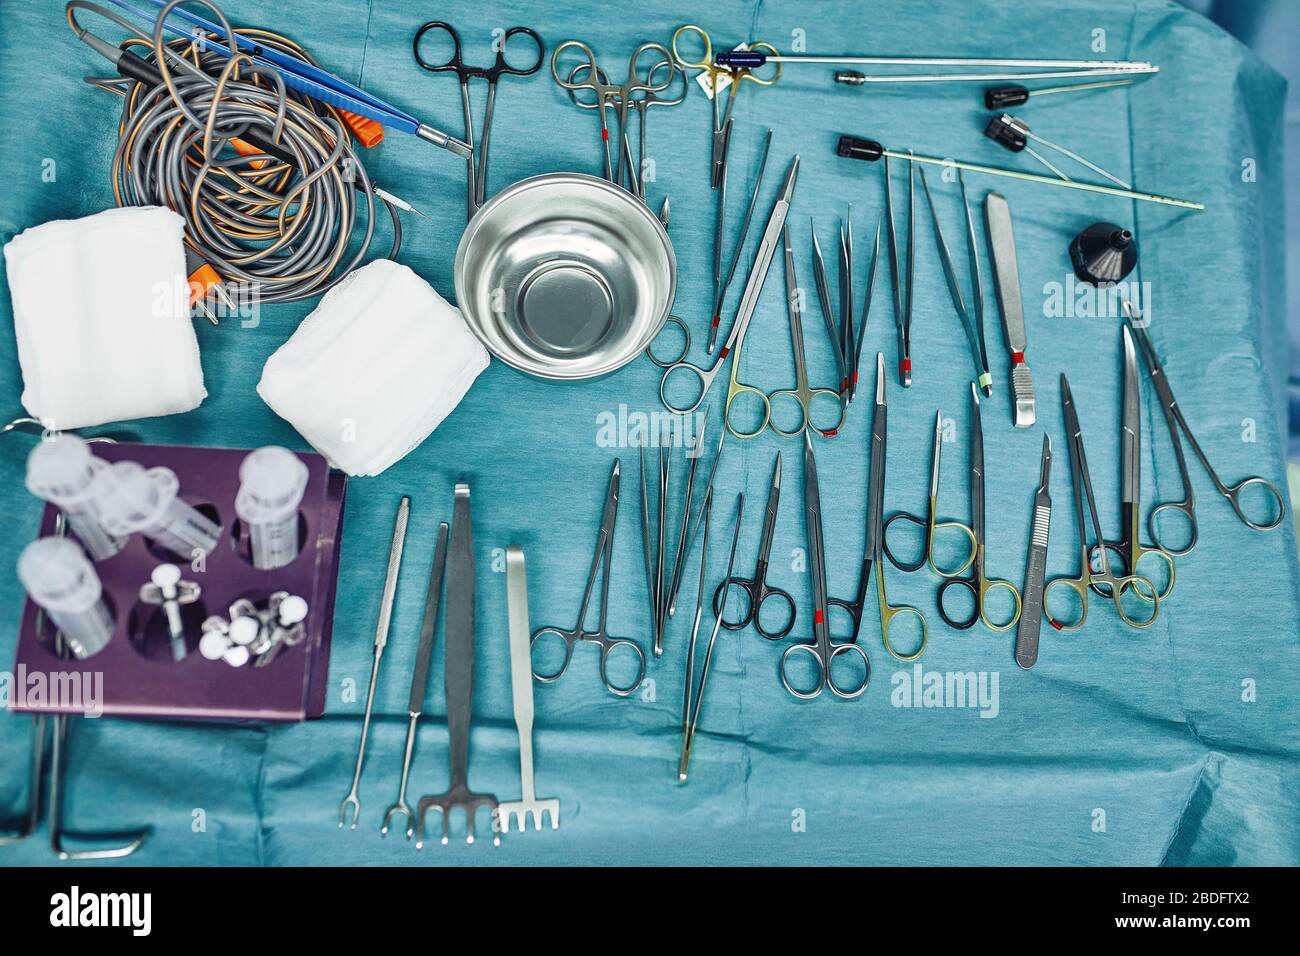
pixel 273 193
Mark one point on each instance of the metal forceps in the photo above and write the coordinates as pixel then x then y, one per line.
pixel 735 77
pixel 735 339
pixel 1115 585
pixel 756 589
pixel 1129 549
pixel 478 158
pixel 802 395
pixel 902 289
pixel 821 650
pixel 1175 421
pixel 606 94
pixel 978 584
pixel 874 550
pixel 604 556
pixel 929 525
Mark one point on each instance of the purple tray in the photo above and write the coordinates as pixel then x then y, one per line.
pixel 140 678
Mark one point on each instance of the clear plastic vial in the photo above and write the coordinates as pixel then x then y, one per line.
pixel 60 578
pixel 271 485
pixel 61 470
pixel 132 499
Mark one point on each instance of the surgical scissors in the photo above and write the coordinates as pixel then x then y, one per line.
pixel 1129 549
pixel 756 589
pixel 607 94
pixel 1116 585
pixel 928 524
pixel 802 395
pixel 735 339
pixel 604 556
pixel 722 283
pixel 978 584
pixel 821 649
pixel 477 160
pixel 734 78
pixel 1175 421
pixel 874 549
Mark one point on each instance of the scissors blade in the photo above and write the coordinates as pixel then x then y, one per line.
pixel 876 483
pixel 812 509
pixel 976 469
pixel 763 258
pixel 770 513
pixel 720 290
pixel 1130 449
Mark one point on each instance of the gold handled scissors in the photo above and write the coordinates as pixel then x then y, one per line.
pixel 802 395
pixel 736 76
pixel 1129 549
pixel 929 525
pixel 735 340
pixel 978 583
pixel 1116 586
pixel 874 551
pixel 1176 423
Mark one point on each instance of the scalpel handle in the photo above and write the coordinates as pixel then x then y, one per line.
pixel 1002 248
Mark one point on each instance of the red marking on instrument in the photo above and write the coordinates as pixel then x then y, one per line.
pixel 604 134
pixel 830 433
pixel 905 365
pixel 818 617
pixel 717 320
pixel 855 378
pixel 1055 625
pixel 1017 358
pixel 844 385
pixel 723 353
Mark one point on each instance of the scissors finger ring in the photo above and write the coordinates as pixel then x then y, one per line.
pixel 686 346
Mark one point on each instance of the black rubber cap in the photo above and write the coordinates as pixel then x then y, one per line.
pixel 1005 134
pixel 1000 97
pixel 1103 254
pixel 854 147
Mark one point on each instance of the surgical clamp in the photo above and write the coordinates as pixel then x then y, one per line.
pixel 353 800
pixel 420 681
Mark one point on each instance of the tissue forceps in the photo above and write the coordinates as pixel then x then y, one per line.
pixel 1129 549
pixel 874 550
pixel 902 292
pixel 801 394
pixel 477 160
pixel 1116 585
pixel 602 561
pixel 1176 422
pixel 822 650
pixel 978 584
pixel 756 589
pixel 928 524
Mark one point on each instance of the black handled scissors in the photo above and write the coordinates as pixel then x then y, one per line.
pixel 604 556
pixel 874 550
pixel 756 589
pixel 977 583
pixel 477 160
pixel 929 525
pixel 1129 549
pixel 1175 421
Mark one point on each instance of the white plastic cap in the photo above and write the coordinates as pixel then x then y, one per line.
pixel 292 610
pixel 237 656
pixel 213 645
pixel 58 575
pixel 131 499
pixel 271 485
pixel 244 630
pixel 166 576
pixel 60 470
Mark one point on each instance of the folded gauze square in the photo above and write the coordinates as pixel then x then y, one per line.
pixel 374 369
pixel 101 314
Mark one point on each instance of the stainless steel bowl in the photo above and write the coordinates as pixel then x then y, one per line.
pixel 565 276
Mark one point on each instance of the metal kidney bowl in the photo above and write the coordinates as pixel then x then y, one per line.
pixel 565 276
